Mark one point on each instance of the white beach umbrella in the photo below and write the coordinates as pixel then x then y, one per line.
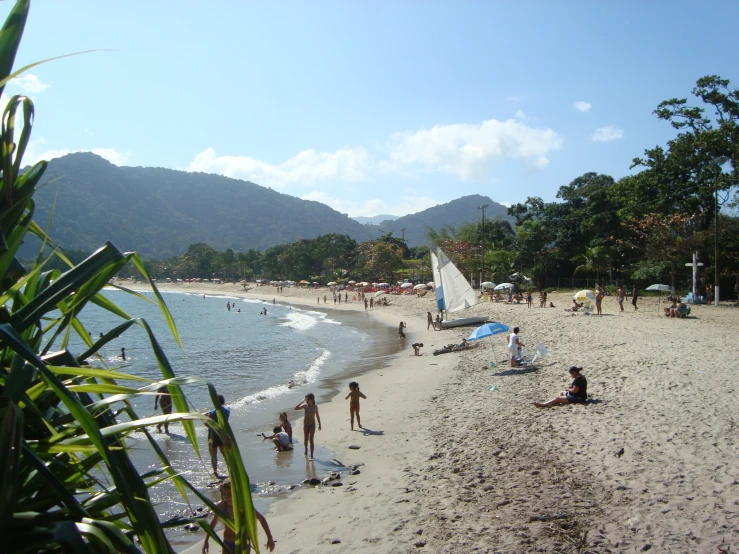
pixel 383 285
pixel 585 296
pixel 421 286
pixel 504 286
pixel 488 285
pixel 364 284
pixel 352 282
pixel 406 285
pixel 378 293
pixel 660 288
pixel 431 284
pixel 331 284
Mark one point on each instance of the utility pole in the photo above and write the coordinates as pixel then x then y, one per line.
pixel 482 267
pixel 402 232
pixel 716 163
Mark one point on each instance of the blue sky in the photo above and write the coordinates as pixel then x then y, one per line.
pixel 371 107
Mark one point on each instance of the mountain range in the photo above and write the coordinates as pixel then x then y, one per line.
pixel 159 212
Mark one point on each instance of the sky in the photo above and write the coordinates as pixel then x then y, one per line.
pixel 370 107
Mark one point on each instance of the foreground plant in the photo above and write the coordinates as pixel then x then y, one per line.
pixel 67 482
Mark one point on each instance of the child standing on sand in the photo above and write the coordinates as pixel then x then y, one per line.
pixel 229 538
pixel 310 410
pixel 355 395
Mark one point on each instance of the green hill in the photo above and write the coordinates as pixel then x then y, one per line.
pixel 160 212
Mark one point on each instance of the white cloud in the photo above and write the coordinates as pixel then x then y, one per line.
pixel 582 106
pixel 347 164
pixel 28 84
pixel 471 151
pixel 520 114
pixel 399 206
pixel 514 99
pixel 607 134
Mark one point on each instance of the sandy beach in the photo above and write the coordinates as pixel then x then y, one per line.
pixel 455 458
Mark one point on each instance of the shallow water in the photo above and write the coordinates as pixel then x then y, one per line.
pixel 262 364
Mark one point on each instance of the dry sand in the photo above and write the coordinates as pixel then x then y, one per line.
pixel 451 466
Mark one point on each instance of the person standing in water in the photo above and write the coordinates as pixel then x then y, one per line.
pixel 123 354
pixel 165 401
pixel 355 395
pixel 401 326
pixel 310 411
pixel 214 439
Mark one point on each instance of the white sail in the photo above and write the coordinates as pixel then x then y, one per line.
pixel 453 291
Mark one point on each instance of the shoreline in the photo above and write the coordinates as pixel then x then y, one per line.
pixel 385 451
pixel 466 463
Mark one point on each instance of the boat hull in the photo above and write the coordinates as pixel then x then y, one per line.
pixel 464 321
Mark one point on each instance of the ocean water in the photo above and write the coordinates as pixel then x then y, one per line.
pixel 262 364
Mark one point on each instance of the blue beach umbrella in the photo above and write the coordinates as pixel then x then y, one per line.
pixel 488 330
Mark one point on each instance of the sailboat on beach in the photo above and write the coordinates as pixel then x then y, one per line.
pixel 453 292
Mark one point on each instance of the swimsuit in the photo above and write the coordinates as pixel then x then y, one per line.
pixel 354 406
pixel 308 428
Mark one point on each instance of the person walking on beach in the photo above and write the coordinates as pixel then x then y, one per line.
pixel 324 298
pixel 620 296
pixel 599 294
pixel 514 345
pixel 529 300
pixel 346 297
pixel 365 303
pixel 355 395
pixel 372 303
pixel 229 538
pixel 310 411
pixel 430 321
pixel 165 401
pixel 576 393
pixel 634 297
pixel 214 439
pixel 401 326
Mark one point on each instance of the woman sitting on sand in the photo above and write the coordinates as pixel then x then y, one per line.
pixel 576 393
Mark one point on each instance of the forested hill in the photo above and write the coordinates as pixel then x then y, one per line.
pixel 455 213
pixel 160 212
